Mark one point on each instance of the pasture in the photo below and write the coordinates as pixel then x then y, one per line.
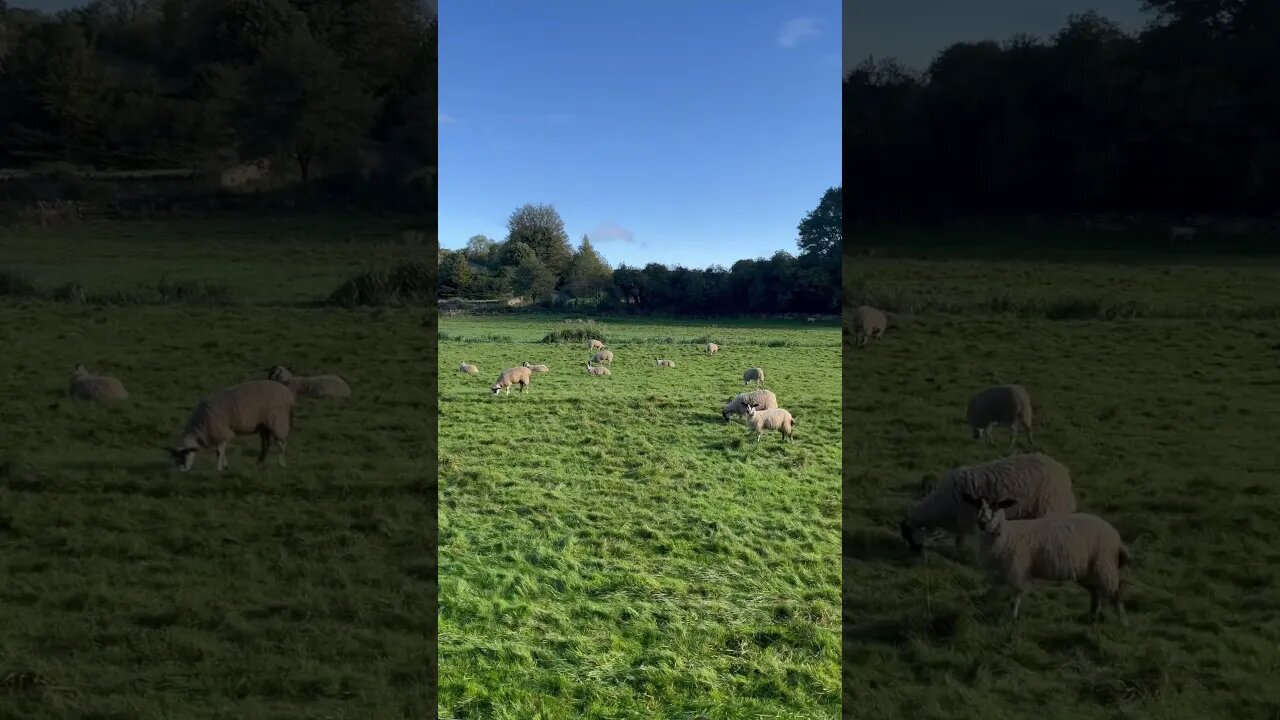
pixel 1156 385
pixel 612 548
pixel 131 590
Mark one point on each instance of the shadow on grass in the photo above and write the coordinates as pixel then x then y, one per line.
pixel 874 544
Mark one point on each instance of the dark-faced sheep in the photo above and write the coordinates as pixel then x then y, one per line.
pixel 261 407
pixel 513 376
pixel 96 388
pixel 1007 405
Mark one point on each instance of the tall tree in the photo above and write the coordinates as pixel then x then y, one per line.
pixel 589 275
pixel 532 279
pixel 821 230
pixel 542 229
pixel 455 274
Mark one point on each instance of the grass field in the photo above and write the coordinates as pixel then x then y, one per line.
pixel 612 548
pixel 134 591
pixel 1164 413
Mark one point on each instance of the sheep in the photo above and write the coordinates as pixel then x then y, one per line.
pixel 97 388
pixel 712 348
pixel 264 407
pixel 1008 405
pixel 763 399
pixel 597 371
pixel 758 421
pixel 513 376
pixel 753 374
pixel 1181 232
pixel 536 368
pixel 1041 484
pixel 604 357
pixel 468 368
pixel 868 324
pixel 1059 547
pixel 315 386
pixel 666 363
pixel 812 319
pixel 595 345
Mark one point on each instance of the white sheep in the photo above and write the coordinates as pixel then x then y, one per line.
pixel 468 368
pixel 1181 232
pixel 712 348
pixel 666 363
pixel 1041 484
pixel 595 345
pixel 773 419
pixel 597 370
pixel 1007 405
pixel 97 388
pixel 868 324
pixel 513 376
pixel 812 319
pixel 315 386
pixel 1061 547
pixel 535 368
pixel 762 399
pixel 604 357
pixel 753 374
pixel 262 407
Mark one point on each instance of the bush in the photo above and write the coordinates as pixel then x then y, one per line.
pixel 411 283
pixel 577 335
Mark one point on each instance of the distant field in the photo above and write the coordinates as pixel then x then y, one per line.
pixel 134 591
pixel 611 548
pixel 1167 421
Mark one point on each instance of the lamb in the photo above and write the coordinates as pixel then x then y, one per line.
pixel 1059 547
pixel 513 376
pixel 773 419
pixel 763 399
pixel 536 368
pixel 468 368
pixel 97 388
pixel 756 374
pixel 868 324
pixel 264 407
pixel 1008 405
pixel 712 348
pixel 597 370
pixel 595 345
pixel 315 386
pixel 667 363
pixel 604 357
pixel 1041 485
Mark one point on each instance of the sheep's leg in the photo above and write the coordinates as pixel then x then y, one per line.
pixel 265 437
pixel 991 436
pixel 1017 602
pixel 1013 440
pixel 283 445
pixel 1095 604
pixel 1031 438
pixel 222 456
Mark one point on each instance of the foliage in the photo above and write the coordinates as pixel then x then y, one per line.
pixel 541 228
pixel 411 283
pixel 589 275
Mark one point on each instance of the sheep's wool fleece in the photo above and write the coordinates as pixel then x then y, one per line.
pixel 95 387
pixel 240 410
pixel 1040 484
pixel 1064 547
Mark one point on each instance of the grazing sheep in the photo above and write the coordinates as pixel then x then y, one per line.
pixel 604 356
pixel 753 374
pixel 868 324
pixel 762 399
pixel 264 407
pixel 1041 485
pixel 595 345
pixel 1062 547
pixel 536 368
pixel 513 376
pixel 812 319
pixel 598 371
pixel 1181 232
pixel 468 368
pixel 667 363
pixel 96 388
pixel 315 386
pixel 773 419
pixel 712 348
pixel 1008 405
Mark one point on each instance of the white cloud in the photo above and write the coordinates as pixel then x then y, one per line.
pixel 443 119
pixel 797 29
pixel 607 232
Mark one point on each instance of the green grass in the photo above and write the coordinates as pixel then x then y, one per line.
pixel 133 591
pixel 611 548
pixel 1167 422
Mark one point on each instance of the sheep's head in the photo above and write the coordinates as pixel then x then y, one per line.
pixel 497 388
pixel 913 536
pixel 989 518
pixel 182 458
pixel 80 370
pixel 978 433
pixel 751 409
pixel 525 364
pixel 279 373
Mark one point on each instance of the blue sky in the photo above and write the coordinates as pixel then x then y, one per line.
pixel 692 133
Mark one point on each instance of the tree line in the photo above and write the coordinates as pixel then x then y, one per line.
pixel 536 261
pixel 1182 117
pixel 320 85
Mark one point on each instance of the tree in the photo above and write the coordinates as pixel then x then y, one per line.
pixel 455 274
pixel 514 253
pixel 821 230
pixel 589 275
pixel 541 228
pixel 481 249
pixel 532 279
pixel 304 104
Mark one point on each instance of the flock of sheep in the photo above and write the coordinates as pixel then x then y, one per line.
pixel 760 407
pixel 1022 507
pixel 259 407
